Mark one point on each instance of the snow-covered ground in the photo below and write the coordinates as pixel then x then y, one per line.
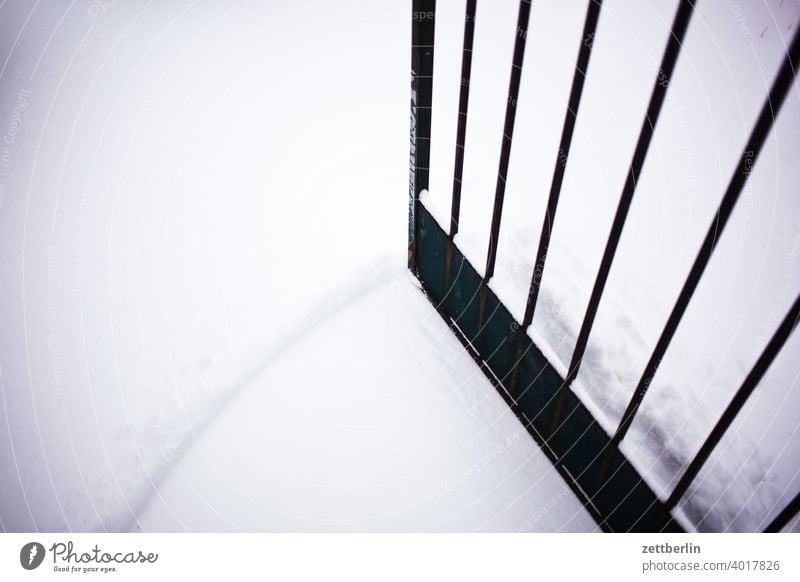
pixel 730 56
pixel 378 420
pixel 191 191
pixel 186 186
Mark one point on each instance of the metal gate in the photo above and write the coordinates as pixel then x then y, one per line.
pixel 588 458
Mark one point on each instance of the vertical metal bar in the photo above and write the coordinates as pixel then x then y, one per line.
pixel 758 136
pixel 745 390
pixel 679 26
pixel 422 38
pixel 463 104
pixel 461 133
pixel 581 67
pixel 587 41
pixel 785 516
pixel 508 131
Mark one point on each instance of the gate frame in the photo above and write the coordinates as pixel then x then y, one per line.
pixel 588 458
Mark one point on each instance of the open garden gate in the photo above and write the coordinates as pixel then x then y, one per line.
pixel 586 456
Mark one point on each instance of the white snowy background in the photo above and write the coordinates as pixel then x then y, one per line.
pixel 192 192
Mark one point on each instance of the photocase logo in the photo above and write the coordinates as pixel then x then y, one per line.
pixel 31 555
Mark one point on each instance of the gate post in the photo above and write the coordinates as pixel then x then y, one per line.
pixel 422 34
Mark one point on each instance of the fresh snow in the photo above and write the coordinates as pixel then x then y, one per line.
pixel 191 186
pixel 192 191
pixel 377 419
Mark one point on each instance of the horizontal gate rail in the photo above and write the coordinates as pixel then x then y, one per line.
pixel 628 504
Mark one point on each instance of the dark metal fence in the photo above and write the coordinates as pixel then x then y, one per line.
pixel 589 459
